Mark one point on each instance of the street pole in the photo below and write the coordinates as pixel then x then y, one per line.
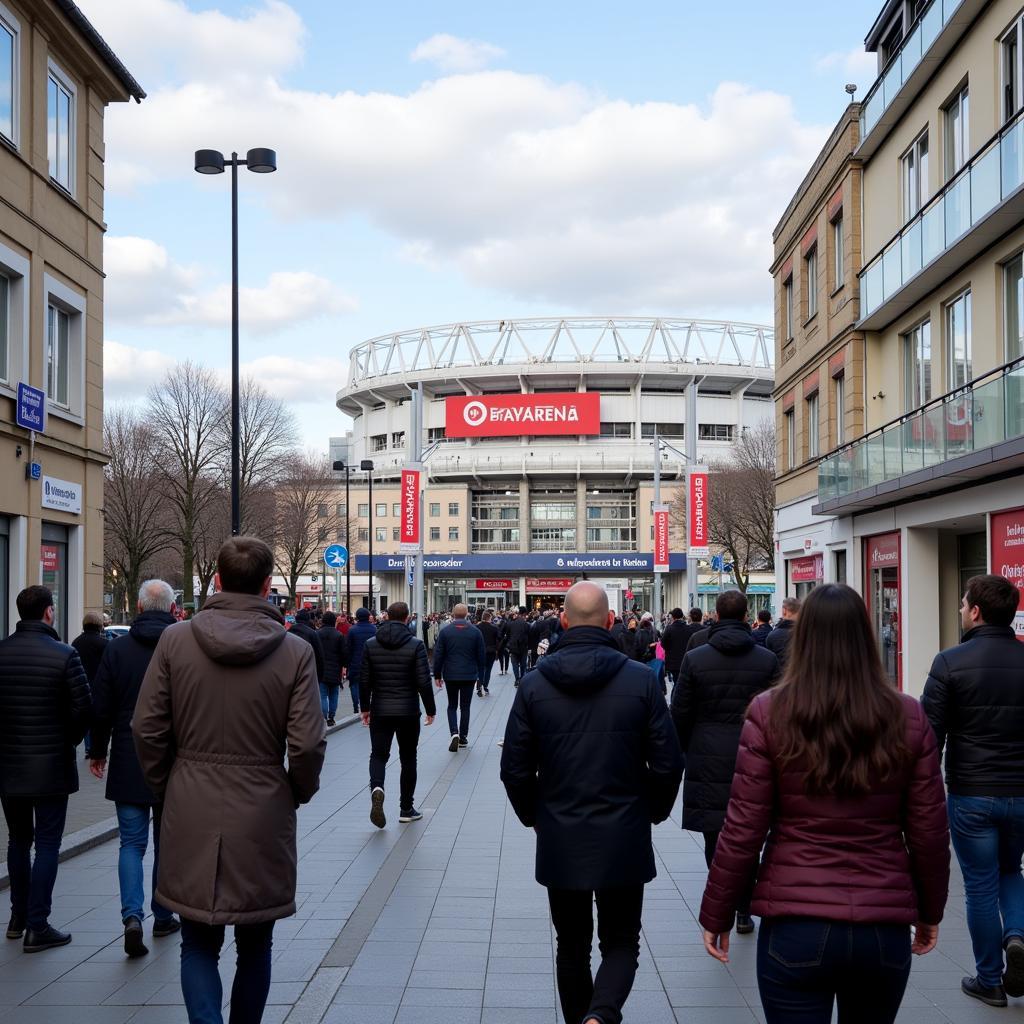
pixel 416 453
pixel 656 601
pixel 236 500
pixel 369 578
pixel 348 545
pixel 690 434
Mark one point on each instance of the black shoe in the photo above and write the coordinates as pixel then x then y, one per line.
pixel 45 938
pixel 15 927
pixel 161 929
pixel 88 755
pixel 454 745
pixel 989 996
pixel 133 944
pixel 744 924
pixel 377 807
pixel 1013 979
pixel 479 692
pixel 410 815
pixel 330 721
pixel 355 709
pixel 487 691
pixel 463 743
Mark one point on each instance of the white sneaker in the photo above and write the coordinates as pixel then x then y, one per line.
pixel 454 745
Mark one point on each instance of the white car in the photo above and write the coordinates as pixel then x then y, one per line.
pixel 113 632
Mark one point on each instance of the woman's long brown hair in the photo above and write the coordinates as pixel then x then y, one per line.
pixel 835 710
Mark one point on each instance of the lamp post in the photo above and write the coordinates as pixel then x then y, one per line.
pixel 348 547
pixel 367 466
pixel 211 161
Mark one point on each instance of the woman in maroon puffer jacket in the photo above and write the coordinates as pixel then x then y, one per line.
pixel 838 779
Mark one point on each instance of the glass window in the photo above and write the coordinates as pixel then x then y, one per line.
pixel 380 532
pixel 839 404
pixel 396 509
pixel 60 130
pixel 915 177
pixel 1013 328
pixel 435 533
pixel 957 141
pixel 715 432
pixel 321 511
pixel 811 272
pixel 398 439
pixel 364 534
pixel 395 533
pixel 342 509
pixel 958 341
pixel 917 366
pixel 840 565
pixel 435 434
pixel 838 264
pixel 53 557
pixel 616 430
pixel 364 510
pixel 435 508
pixel 321 534
pixel 378 442
pixel 672 430
pixel 380 509
pixel 5 327
pixel 1011 68
pixel 787 289
pixel 790 440
pixel 8 79
pixel 812 426
pixel 553 538
pixel 453 508
pixel 57 355
pixel 453 533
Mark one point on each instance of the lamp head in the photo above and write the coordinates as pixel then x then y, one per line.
pixel 338 466
pixel 261 161
pixel 366 464
pixel 209 161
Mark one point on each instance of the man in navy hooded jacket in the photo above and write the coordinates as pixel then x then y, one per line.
pixel 591 761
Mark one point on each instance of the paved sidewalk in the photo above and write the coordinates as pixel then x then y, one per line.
pixel 439 921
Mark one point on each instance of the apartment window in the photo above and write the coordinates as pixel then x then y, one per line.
pixel 60 128
pixel 1013 328
pixel 342 509
pixel 890 42
pixel 811 272
pixel 9 91
pixel 839 405
pixel 617 429
pixel 957 141
pixel 1011 68
pixel 378 442
pixel 838 261
pixel 435 434
pixel 321 534
pixel 364 534
pixel 58 356
pixel 453 533
pixel 435 533
pixel 673 430
pixel 5 327
pixel 453 508
pixel 958 341
pixel 380 532
pixel 715 432
pixel 321 511
pixel 812 426
pixel 915 176
pixel 398 439
pixel 394 533
pixel 790 440
pixel 917 366
pixel 435 508
pixel 787 295
pixel 380 509
pixel 364 510
pixel 396 509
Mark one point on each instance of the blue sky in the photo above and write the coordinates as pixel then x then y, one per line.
pixel 450 161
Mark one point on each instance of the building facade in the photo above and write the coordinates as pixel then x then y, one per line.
pixel 58 77
pixel 932 491
pixel 518 517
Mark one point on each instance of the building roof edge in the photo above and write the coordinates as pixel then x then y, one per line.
pixel 100 45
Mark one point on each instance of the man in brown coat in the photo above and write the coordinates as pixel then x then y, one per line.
pixel 223 696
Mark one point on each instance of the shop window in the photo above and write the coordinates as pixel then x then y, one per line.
pixel 53 564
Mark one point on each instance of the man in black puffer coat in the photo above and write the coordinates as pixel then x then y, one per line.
pixel 717 682
pixel 394 676
pixel 115 693
pixel 590 761
pixel 335 648
pixel 45 708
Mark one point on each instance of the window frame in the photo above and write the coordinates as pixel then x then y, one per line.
pixel 961 147
pixel 17 270
pixel 812 411
pixel 59 295
pixel 56 74
pixel 1011 78
pixel 790 422
pixel 787 305
pixel 1017 349
pixel 453 508
pixel 13 26
pixel 811 277
pixel 363 509
pixel 435 533
pixel 453 533
pixel 951 360
pixel 912 178
pixel 839 402
pixel 435 509
pixel 912 345
pixel 838 254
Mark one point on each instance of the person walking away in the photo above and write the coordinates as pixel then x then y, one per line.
pixel 335 649
pixel 763 627
pixel 974 699
pixel 620 635
pixel 717 681
pixel 115 692
pixel 460 660
pixel 515 639
pixel 226 697
pixel 673 642
pixel 503 655
pixel 304 628
pixel 362 631
pixel 838 782
pixel 590 761
pixel 45 707
pixel 90 644
pixel 778 639
pixel 394 678
pixel 490 635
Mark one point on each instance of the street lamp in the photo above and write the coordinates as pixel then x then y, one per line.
pixel 210 161
pixel 338 466
pixel 367 467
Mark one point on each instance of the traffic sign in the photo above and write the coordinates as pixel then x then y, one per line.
pixel 336 556
pixel 31 412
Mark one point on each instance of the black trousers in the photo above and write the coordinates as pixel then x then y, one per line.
pixel 618 933
pixel 384 728
pixel 460 697
pixel 710 844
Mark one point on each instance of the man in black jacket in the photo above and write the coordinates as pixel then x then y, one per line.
pixel 763 627
pixel 974 699
pixel 717 682
pixel 490 634
pixel 45 708
pixel 590 761
pixel 778 639
pixel 394 676
pixel 335 650
pixel 460 661
pixel 90 644
pixel 115 692
pixel 303 626
pixel 515 639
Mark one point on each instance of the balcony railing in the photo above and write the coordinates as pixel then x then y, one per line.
pixel 988 179
pixel 986 412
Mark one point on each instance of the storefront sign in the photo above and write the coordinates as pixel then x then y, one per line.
pixel 513 563
pixel 567 413
pixel 661 538
pixel 806 570
pixel 547 586
pixel 409 529
pixel 493 585
pixel 883 551
pixel 697 516
pixel 49 557
pixel 62 494
pixel 1008 556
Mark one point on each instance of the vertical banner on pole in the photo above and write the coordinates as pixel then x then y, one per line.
pixel 409 528
pixel 661 546
pixel 697 515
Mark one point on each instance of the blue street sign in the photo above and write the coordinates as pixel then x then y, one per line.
pixel 31 412
pixel 336 556
pixel 36 471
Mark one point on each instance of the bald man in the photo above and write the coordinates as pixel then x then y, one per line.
pixel 590 762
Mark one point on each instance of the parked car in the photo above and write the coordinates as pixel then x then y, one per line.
pixel 113 632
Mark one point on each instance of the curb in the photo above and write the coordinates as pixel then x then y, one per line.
pixel 88 838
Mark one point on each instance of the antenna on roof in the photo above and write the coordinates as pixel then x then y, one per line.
pixel 851 89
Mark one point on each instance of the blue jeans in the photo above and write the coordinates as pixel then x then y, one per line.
pixel 200 980
pixel 40 821
pixel 133 826
pixel 519 664
pixel 329 699
pixel 805 965
pixel 353 690
pixel 988 837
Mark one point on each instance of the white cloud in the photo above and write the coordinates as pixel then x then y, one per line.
pixel 857 64
pixel 128 371
pixel 314 379
pixel 450 53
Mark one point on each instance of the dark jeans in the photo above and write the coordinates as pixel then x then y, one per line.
pixel 618 933
pixel 40 821
pixel 519 666
pixel 460 695
pixel 200 980
pixel 710 845
pixel 329 699
pixel 384 728
pixel 353 692
pixel 805 964
pixel 988 837
pixel 503 661
pixel 491 658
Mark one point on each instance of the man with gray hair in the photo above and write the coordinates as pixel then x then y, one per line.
pixel 590 762
pixel 115 691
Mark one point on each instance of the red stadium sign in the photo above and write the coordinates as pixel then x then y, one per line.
pixel 493 585
pixel 566 413
pixel 409 530
pixel 698 514
pixel 661 538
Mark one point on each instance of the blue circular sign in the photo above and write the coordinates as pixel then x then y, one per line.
pixel 336 556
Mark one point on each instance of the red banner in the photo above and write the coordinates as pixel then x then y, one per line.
pixel 409 528
pixel 661 538
pixel 493 585
pixel 697 510
pixel 883 551
pixel 567 412
pixel 1008 556
pixel 540 585
pixel 50 557
pixel 806 570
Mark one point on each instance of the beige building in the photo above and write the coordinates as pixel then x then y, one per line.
pixel 932 491
pixel 58 76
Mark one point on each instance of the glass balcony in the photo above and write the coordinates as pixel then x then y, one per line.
pixel 990 178
pixel 987 412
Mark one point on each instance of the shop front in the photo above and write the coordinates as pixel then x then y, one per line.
pixel 489 592
pixel 805 573
pixel 53 568
pixel 883 595
pixel 1007 553
pixel 544 592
